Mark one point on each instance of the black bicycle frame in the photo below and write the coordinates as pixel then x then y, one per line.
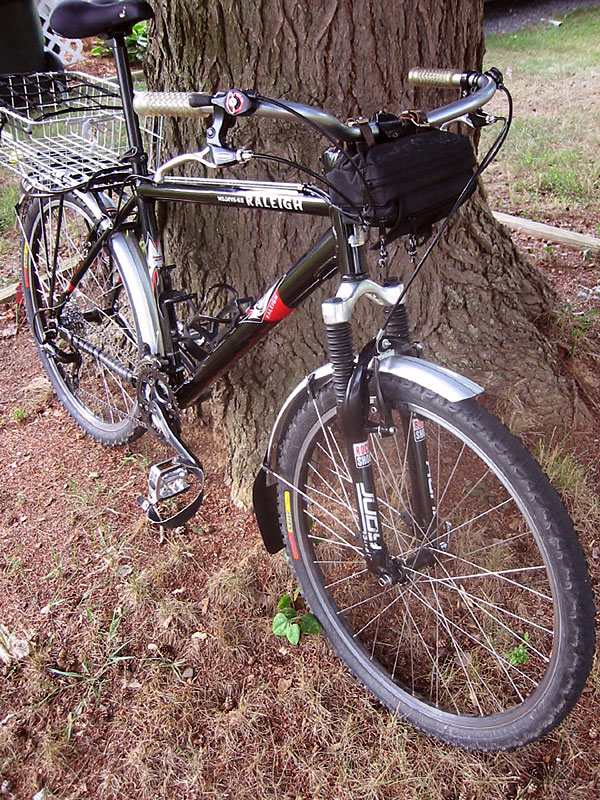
pixel 309 272
pixel 340 248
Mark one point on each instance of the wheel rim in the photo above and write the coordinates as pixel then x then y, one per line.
pixel 470 635
pixel 99 311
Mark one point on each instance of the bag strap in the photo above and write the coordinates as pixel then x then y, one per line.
pixel 417 116
pixel 363 126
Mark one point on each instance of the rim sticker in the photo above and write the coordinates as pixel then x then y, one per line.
pixel 290 526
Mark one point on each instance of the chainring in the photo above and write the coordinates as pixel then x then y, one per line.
pixel 154 389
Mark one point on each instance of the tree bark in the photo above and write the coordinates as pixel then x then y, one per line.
pixel 477 305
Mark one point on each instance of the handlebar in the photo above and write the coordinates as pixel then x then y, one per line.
pixel 480 87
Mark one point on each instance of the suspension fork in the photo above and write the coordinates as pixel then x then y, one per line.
pixel 422 511
pixel 352 396
pixel 351 385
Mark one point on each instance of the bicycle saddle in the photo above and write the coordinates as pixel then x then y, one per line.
pixel 78 19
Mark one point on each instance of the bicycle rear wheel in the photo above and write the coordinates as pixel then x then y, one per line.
pixel 90 352
pixel 487 642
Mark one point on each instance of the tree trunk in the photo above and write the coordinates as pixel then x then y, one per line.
pixel 477 304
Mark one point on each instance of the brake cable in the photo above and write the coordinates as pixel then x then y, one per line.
pixel 484 164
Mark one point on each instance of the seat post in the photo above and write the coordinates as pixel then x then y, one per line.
pixel 139 158
pixel 134 135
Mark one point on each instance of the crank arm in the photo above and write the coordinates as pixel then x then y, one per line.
pixel 165 430
pixel 185 464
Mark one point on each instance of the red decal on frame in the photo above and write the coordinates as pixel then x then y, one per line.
pixel 277 309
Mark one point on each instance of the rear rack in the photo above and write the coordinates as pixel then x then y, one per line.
pixel 62 130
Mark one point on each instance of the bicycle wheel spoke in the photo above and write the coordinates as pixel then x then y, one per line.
pixel 97 312
pixel 454 630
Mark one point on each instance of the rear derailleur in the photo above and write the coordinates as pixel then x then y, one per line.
pixel 160 413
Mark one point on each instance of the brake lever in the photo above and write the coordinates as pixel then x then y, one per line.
pixel 210 156
pixel 474 119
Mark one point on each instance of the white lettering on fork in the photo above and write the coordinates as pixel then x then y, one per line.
pixel 368 515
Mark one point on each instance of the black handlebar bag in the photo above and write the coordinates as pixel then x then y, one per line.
pixel 407 184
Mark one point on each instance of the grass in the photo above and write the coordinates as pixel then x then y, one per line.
pixel 550 158
pixel 9 195
pixel 549 51
pixel 578 330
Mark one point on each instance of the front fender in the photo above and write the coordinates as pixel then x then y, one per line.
pixel 444 382
pixel 440 380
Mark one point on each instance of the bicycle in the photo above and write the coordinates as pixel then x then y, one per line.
pixel 436 555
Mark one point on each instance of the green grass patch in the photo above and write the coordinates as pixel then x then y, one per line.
pixel 550 51
pixel 9 195
pixel 544 160
pixel 550 160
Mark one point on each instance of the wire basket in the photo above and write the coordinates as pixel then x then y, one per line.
pixel 63 130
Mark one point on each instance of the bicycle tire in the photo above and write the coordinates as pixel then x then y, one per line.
pixel 100 312
pixel 488 647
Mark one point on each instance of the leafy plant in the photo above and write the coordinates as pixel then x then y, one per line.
pixel 289 623
pixel 519 654
pixel 136 43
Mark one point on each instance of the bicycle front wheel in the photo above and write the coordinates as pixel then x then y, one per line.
pixel 89 352
pixel 488 639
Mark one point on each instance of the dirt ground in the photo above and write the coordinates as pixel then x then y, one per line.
pixel 147 667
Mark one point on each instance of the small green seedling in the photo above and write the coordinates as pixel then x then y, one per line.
pixel 287 622
pixel 519 654
pixel 18 415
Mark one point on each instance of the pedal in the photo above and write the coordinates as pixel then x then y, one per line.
pixel 167 480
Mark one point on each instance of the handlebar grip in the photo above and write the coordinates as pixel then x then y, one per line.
pixel 167 104
pixel 423 76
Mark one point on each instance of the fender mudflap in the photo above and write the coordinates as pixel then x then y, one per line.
pixel 264 500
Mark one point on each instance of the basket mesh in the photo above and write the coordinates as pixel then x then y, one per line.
pixel 58 131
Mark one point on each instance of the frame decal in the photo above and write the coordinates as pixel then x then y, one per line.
pixel 270 307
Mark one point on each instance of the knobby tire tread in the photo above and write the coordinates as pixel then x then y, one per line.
pixel 568 559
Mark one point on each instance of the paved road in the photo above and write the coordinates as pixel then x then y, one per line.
pixel 503 16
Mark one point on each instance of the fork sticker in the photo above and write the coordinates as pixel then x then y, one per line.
pixel 418 429
pixel 368 516
pixel 362 454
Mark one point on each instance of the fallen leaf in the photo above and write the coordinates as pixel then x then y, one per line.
pixel 283 684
